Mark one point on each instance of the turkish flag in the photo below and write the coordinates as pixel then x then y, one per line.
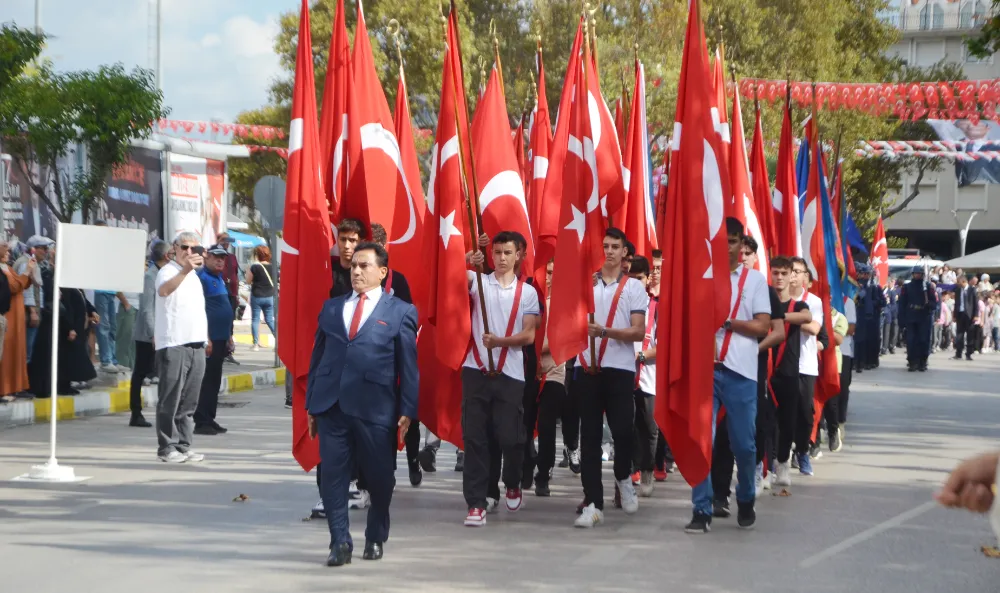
pixel 880 254
pixel 305 267
pixel 454 58
pixel 406 238
pixel 786 204
pixel 720 118
pixel 376 185
pixel 501 192
pixel 539 142
pixel 744 206
pixel 695 267
pixel 622 128
pixel 607 148
pixel 638 221
pixel 548 174
pixel 333 124
pixel 761 187
pixel 522 167
pixel 447 310
pixel 578 251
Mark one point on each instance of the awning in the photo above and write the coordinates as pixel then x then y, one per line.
pixel 985 260
pixel 245 240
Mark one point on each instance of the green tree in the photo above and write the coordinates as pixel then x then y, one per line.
pixel 42 115
pixel 18 48
pixel 987 42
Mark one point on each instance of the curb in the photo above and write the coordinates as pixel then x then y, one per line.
pixel 266 340
pixel 100 403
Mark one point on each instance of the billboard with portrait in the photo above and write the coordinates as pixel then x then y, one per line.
pixel 983 135
pixel 24 213
pixel 134 199
pixel 197 197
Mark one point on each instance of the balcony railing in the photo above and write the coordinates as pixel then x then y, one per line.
pixel 928 20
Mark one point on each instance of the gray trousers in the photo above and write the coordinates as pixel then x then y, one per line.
pixel 181 370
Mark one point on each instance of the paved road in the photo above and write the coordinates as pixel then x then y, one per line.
pixel 864 523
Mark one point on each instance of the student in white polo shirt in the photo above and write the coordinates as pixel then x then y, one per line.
pixel 735 383
pixel 646 431
pixel 799 282
pixel 604 380
pixel 493 398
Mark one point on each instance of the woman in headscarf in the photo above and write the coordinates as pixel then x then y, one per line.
pixel 14 363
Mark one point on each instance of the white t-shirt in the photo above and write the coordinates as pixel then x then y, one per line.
pixel 617 354
pixel 851 312
pixel 809 353
pixel 180 317
pixel 742 354
pixel 647 372
pixel 499 303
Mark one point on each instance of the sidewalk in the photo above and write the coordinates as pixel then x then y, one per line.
pixel 255 371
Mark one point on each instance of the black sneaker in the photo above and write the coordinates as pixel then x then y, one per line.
pixel 815 451
pixel 835 444
pixel 428 459
pixel 219 429
pixel 745 516
pixel 542 486
pixel 138 421
pixel 206 430
pixel 699 524
pixel 720 509
pixel 460 462
pixel 416 476
pixel 565 458
pixel 288 403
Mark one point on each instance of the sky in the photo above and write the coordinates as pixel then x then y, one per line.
pixel 218 56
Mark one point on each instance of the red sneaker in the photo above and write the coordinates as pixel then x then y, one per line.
pixel 636 478
pixel 513 499
pixel 660 474
pixel 476 518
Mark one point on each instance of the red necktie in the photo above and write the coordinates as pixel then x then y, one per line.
pixel 356 320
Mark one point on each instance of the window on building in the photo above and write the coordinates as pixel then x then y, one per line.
pixel 931 17
pixel 979 16
pixel 965 15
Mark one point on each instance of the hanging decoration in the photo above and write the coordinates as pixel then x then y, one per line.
pixel 974 100
pixel 168 126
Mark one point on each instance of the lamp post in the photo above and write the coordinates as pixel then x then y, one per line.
pixel 963 234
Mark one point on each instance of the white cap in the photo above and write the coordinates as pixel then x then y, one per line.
pixel 39 241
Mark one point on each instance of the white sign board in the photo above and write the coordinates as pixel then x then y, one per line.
pixel 101 258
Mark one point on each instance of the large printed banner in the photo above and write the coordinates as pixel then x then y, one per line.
pixel 24 213
pixel 134 198
pixel 978 136
pixel 197 197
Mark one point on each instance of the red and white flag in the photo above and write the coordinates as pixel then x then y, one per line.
pixel 539 142
pixel 333 127
pixel 637 222
pixel 720 119
pixel 406 238
pixel 607 148
pixel 786 203
pixel 578 252
pixel 501 192
pixel 695 267
pixel 745 207
pixel 306 240
pixel 880 254
pixel 761 186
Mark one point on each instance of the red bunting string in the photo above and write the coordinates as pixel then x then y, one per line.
pixel 241 130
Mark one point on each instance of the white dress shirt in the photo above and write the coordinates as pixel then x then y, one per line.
pixel 617 354
pixel 371 299
pixel 499 304
pixel 742 354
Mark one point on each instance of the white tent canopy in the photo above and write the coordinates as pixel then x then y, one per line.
pixel 985 260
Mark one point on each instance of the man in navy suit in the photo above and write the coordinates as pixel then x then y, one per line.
pixel 362 392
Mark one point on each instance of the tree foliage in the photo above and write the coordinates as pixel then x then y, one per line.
pixel 987 42
pixel 43 114
pixel 18 47
pixel 821 40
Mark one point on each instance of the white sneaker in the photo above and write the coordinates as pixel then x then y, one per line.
pixel 759 481
pixel 155 380
pixel 109 368
pixel 359 501
pixel 173 457
pixel 318 511
pixel 194 457
pixel 768 480
pixel 255 348
pixel 124 369
pixel 492 505
pixel 147 382
pixel 783 477
pixel 589 517
pixel 574 457
pixel 630 501
pixel 606 452
pixel 646 484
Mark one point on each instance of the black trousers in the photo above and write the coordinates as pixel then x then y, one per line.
pixel 607 392
pixel 211 382
pixel 795 415
pixel 144 357
pixel 646 433
pixel 835 409
pixel 807 412
pixel 492 408
pixel 664 458
pixel 963 334
pixel 531 408
pixel 551 402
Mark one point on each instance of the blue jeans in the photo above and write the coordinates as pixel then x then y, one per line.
pixel 29 337
pixel 739 395
pixel 107 328
pixel 258 304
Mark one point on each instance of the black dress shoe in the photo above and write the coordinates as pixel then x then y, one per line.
pixel 139 421
pixel 339 555
pixel 416 476
pixel 542 486
pixel 205 429
pixel 373 551
pixel 219 429
pixel 428 459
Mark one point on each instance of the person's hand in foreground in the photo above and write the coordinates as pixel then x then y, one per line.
pixel 972 485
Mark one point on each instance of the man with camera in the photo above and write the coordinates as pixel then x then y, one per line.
pixel 180 336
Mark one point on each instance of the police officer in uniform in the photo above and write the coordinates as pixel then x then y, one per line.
pixel 868 335
pixel 917 302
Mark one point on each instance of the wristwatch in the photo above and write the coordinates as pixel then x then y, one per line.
pixel 728 325
pixel 642 358
pixel 604 332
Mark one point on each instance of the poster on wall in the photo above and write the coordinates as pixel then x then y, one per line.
pixel 134 199
pixel 197 197
pixel 24 213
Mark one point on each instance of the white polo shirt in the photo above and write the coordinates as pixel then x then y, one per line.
pixel 851 312
pixel 647 372
pixel 499 303
pixel 742 354
pixel 617 354
pixel 809 352
pixel 180 316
